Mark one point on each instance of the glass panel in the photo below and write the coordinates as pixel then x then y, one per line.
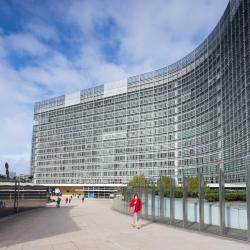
pixel 166 198
pixel 236 205
pixel 192 199
pixel 212 205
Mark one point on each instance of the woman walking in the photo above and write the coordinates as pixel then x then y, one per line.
pixel 135 208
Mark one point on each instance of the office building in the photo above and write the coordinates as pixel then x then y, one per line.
pixel 192 114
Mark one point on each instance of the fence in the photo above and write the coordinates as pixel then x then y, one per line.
pixel 17 196
pixel 167 202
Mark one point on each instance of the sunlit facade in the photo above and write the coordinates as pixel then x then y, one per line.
pixel 192 114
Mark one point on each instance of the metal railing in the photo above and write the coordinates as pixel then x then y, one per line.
pixel 173 204
pixel 18 196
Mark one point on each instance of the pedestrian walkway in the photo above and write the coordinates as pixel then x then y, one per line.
pixel 94 225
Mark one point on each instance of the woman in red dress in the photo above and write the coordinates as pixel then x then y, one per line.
pixel 135 208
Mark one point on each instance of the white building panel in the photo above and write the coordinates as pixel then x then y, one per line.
pixel 115 88
pixel 73 98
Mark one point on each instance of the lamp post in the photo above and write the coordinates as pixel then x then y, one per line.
pixel 7 170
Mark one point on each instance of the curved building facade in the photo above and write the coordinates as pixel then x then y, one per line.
pixel 192 114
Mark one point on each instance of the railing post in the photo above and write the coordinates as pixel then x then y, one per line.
pixel 122 199
pixel 172 193
pixel 18 193
pixel 222 200
pixel 184 199
pixel 146 199
pixel 125 200
pixel 153 201
pixel 161 199
pixel 201 199
pixel 15 197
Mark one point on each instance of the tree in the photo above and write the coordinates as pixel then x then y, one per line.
pixel 193 184
pixel 166 185
pixel 137 181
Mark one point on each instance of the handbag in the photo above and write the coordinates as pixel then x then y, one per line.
pixel 132 210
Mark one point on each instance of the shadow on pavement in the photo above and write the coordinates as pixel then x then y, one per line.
pixel 37 224
pixel 147 224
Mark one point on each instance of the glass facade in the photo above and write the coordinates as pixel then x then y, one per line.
pixel 192 114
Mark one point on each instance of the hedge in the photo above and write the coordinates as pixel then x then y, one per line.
pixel 210 195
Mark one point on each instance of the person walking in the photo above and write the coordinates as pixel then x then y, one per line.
pixel 82 199
pixel 135 208
pixel 58 202
pixel 67 200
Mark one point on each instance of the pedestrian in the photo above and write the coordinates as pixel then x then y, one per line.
pixel 82 199
pixel 58 202
pixel 67 199
pixel 70 199
pixel 135 208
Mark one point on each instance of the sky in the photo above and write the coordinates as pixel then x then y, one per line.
pixel 49 48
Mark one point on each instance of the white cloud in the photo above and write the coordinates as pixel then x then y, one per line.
pixel 54 73
pixel 150 35
pixel 25 43
pixel 16 109
pixel 43 31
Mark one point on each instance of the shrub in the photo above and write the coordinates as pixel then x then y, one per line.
pixel 193 194
pixel 211 196
pixel 166 193
pixel 178 192
pixel 235 195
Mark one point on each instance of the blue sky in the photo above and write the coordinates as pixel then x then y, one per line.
pixel 49 48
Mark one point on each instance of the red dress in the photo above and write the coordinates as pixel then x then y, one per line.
pixel 138 204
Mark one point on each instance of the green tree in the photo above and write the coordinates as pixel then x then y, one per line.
pixel 193 186
pixel 166 185
pixel 137 181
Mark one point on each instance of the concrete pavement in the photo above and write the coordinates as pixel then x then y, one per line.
pixel 94 225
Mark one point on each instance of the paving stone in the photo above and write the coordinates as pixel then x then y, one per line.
pixel 94 225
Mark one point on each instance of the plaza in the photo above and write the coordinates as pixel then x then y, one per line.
pixel 94 225
pixel 96 121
